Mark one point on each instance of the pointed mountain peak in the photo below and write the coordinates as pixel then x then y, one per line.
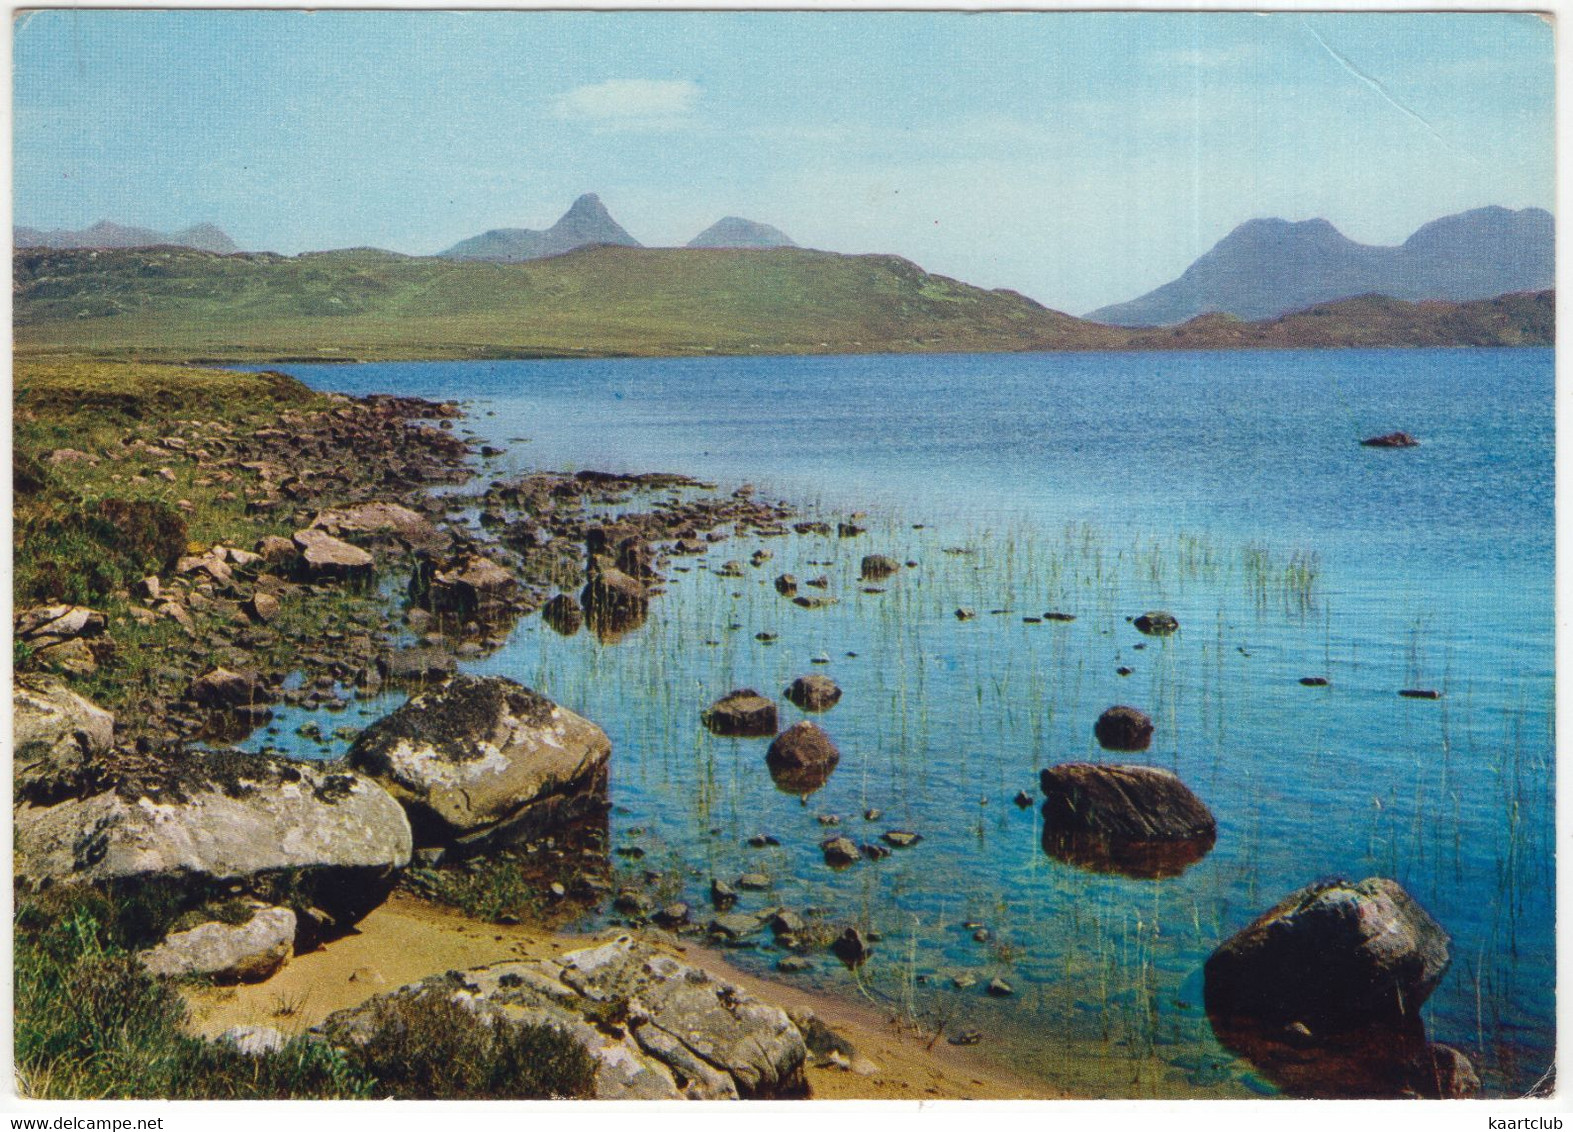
pixel 586 207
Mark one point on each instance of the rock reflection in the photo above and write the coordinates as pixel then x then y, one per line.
pixel 1381 1061
pixel 1142 860
pixel 800 781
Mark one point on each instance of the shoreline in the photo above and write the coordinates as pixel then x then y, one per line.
pixel 407 939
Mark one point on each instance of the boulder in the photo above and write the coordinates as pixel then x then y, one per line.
pixel 877 567
pixel 425 665
pixel 277 552
pixel 563 614
pixel 839 851
pixel 742 713
pixel 253 1041
pixel 1123 803
pixel 614 603
pixel 1157 623
pixel 219 689
pixel 381 522
pixel 227 953
pixel 657 1028
pixel 48 625
pixel 483 760
pixel 328 844
pixel 75 657
pixel 852 948
pixel 1390 440
pixel 786 585
pixel 323 558
pixel 53 730
pixel 803 746
pixel 261 607
pixel 1334 956
pixel 1123 728
pixel 469 587
pixel 814 693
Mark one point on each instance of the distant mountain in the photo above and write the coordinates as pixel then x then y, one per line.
pixel 1265 268
pixel 585 223
pixel 107 234
pixel 735 232
pixel 1369 321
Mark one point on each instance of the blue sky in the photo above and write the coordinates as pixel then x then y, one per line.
pixel 1080 158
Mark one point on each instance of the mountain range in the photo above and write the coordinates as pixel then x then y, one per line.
pixel 107 234
pixel 1267 268
pixel 587 223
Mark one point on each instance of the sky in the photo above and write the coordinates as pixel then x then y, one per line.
pixel 1080 158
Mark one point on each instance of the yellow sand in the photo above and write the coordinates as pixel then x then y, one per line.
pixel 406 940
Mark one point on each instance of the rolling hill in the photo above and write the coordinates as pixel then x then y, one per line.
pixel 180 304
pixel 1266 268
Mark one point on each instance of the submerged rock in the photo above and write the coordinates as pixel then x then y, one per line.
pixel 1129 803
pixel 614 603
pixel 877 567
pixel 1137 821
pixel 563 614
pixel 742 713
pixel 1123 728
pixel 1157 623
pixel 1390 440
pixel 484 760
pixel 1334 956
pixel 852 948
pixel 679 1032
pixel 803 747
pixel 814 693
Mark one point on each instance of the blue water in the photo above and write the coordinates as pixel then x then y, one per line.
pixel 1229 488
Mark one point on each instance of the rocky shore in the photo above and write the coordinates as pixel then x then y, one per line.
pixel 341 574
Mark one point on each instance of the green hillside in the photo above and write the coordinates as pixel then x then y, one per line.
pixel 1523 319
pixel 179 303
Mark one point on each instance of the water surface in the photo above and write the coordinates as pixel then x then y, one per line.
pixel 1228 488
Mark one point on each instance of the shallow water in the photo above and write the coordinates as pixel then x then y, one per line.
pixel 1227 488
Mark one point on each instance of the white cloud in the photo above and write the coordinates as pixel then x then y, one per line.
pixel 629 103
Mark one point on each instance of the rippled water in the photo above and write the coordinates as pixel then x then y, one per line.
pixel 1227 488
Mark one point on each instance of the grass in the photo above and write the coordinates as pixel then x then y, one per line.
pixel 87 529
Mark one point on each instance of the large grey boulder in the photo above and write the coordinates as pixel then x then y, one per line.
pixel 484 760
pixel 330 845
pixel 657 1028
pixel 1334 956
pixel 53 730
pixel 247 952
